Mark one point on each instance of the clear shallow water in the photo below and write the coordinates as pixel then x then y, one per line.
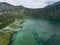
pixel 38 32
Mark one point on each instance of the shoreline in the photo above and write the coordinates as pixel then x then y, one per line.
pixel 11 38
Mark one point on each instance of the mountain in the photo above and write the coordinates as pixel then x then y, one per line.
pixel 50 11
pixel 33 12
pixel 5 6
pixel 53 10
pixel 8 10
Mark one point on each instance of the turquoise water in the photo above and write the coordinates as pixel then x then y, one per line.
pixel 38 32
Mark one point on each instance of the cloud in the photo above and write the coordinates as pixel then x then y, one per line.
pixel 32 3
pixel 9 1
pixel 51 1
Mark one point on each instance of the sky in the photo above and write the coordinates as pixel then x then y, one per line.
pixel 31 3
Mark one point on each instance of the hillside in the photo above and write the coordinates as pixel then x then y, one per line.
pixel 50 11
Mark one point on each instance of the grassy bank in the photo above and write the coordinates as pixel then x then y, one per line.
pixel 6 22
pixel 5 38
pixel 15 26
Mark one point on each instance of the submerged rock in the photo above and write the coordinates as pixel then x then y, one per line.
pixel 54 40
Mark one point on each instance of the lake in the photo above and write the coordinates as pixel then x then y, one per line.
pixel 38 32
